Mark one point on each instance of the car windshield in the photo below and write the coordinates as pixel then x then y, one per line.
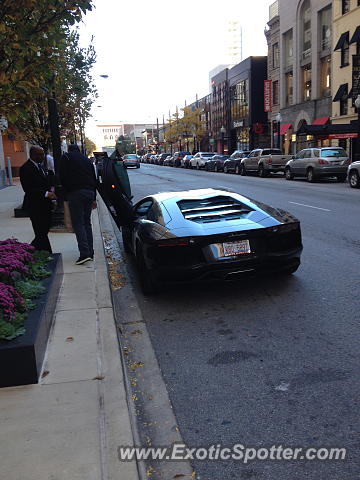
pixel 333 152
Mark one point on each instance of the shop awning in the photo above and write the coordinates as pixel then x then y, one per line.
pixel 330 129
pixel 356 36
pixel 321 121
pixel 284 128
pixel 344 38
pixel 342 91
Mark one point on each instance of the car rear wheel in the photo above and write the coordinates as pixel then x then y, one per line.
pixel 310 177
pixel 288 174
pixel 262 172
pixel 354 179
pixel 148 283
pixel 243 170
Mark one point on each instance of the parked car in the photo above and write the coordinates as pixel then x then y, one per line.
pixel 185 161
pixel 234 162
pixel 178 156
pixel 353 174
pixel 131 160
pixel 216 163
pixel 208 234
pixel 147 157
pixel 264 161
pixel 314 163
pixel 199 159
pixel 167 161
pixel 162 157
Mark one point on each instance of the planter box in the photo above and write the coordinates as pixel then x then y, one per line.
pixel 21 359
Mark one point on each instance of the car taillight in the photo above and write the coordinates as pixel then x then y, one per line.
pixel 323 162
pixel 270 160
pixel 173 242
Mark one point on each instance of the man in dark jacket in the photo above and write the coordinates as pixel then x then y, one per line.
pixel 78 178
pixel 38 195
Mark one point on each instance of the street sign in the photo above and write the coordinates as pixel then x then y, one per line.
pixel 267 95
pixel 356 77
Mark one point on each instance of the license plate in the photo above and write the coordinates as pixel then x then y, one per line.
pixel 241 247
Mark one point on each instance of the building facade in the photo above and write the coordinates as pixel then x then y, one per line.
pixel 272 34
pixel 346 71
pixel 304 70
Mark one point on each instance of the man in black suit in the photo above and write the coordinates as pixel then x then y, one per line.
pixel 77 175
pixel 38 195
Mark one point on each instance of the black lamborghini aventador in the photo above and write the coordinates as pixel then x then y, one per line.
pixel 207 234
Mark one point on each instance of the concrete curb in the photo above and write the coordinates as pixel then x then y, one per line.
pixel 146 383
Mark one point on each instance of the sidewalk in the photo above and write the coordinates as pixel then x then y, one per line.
pixel 68 426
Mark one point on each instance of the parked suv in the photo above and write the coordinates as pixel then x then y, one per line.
pixel 199 159
pixel 314 163
pixel 354 174
pixel 233 163
pixel 178 156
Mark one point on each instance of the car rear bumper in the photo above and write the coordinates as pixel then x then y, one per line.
pixel 331 171
pixel 227 271
pixel 131 164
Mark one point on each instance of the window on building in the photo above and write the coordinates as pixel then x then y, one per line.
pixel 345 6
pixel 275 55
pixel 105 137
pixel 288 48
pixel 345 53
pixel 325 25
pixel 344 103
pixel 306 83
pixel 289 88
pixel 111 137
pixel 275 92
pixel 306 29
pixel 325 76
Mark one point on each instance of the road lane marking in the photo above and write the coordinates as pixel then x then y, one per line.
pixel 311 206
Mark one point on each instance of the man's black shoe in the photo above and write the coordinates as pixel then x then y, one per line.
pixel 82 260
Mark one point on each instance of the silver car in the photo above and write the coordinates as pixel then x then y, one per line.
pixel 314 163
pixel 354 174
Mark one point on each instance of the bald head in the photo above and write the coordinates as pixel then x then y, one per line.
pixel 37 154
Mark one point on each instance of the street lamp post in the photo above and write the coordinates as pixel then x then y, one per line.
pixel 222 131
pixel 357 105
pixel 278 119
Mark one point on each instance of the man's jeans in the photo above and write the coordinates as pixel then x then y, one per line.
pixel 80 204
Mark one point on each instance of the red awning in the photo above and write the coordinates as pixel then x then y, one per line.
pixel 321 121
pixel 284 128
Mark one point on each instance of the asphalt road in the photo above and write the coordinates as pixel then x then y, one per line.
pixel 270 361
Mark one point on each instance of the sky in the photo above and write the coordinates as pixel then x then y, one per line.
pixel 158 53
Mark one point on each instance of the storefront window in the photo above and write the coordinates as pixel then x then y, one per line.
pixel 243 138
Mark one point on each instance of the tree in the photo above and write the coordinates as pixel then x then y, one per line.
pixel 32 36
pixel 71 85
pixel 90 146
